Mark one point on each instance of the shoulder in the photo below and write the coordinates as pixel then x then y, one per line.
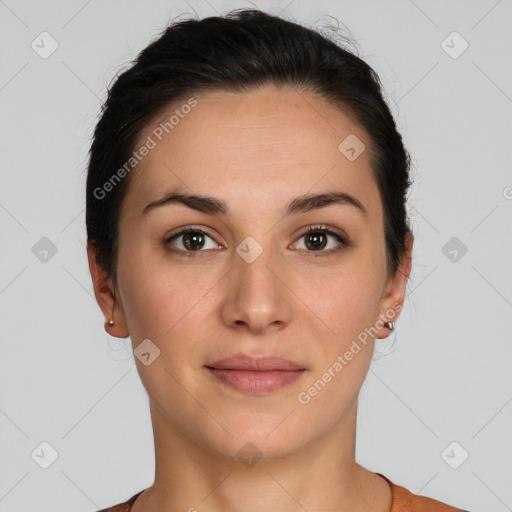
pixel 123 507
pixel 405 501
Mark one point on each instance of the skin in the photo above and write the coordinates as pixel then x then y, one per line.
pixel 256 151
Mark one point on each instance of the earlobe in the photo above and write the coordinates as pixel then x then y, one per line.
pixel 115 324
pixel 115 330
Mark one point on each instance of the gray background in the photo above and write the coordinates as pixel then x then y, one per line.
pixel 446 372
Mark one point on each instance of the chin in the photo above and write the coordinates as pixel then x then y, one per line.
pixel 251 451
pixel 253 442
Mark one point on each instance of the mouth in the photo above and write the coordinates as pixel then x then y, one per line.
pixel 255 375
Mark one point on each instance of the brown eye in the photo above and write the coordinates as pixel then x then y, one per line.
pixel 193 241
pixel 189 240
pixel 317 238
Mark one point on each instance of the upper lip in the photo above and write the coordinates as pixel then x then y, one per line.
pixel 262 364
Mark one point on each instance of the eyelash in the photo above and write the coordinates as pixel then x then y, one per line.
pixel 343 241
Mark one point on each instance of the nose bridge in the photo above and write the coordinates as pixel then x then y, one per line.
pixel 256 294
pixel 253 263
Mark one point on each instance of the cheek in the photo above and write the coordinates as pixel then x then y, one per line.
pixel 144 293
pixel 347 297
pixel 154 305
pixel 348 307
pixel 346 302
pixel 160 299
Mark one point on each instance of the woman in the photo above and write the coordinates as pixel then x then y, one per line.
pixel 247 229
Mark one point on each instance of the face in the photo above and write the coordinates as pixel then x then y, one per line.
pixel 248 278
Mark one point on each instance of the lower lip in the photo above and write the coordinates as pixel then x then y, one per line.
pixel 255 382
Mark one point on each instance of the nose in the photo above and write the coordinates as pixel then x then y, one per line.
pixel 257 298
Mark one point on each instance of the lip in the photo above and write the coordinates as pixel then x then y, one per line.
pixel 262 364
pixel 255 375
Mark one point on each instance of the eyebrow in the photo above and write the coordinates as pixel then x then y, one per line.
pixel 298 205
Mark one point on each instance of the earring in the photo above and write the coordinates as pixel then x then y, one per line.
pixel 111 323
pixel 390 326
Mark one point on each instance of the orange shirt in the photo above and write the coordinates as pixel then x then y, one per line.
pixel 403 501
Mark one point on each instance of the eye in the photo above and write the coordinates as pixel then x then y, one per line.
pixel 316 238
pixel 192 240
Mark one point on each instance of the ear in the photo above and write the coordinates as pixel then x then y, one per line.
pixel 103 291
pixel 393 299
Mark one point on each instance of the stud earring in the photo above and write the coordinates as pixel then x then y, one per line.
pixel 390 326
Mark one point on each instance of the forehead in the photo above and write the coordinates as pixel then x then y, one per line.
pixel 270 142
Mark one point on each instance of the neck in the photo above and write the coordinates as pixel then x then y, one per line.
pixel 320 476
